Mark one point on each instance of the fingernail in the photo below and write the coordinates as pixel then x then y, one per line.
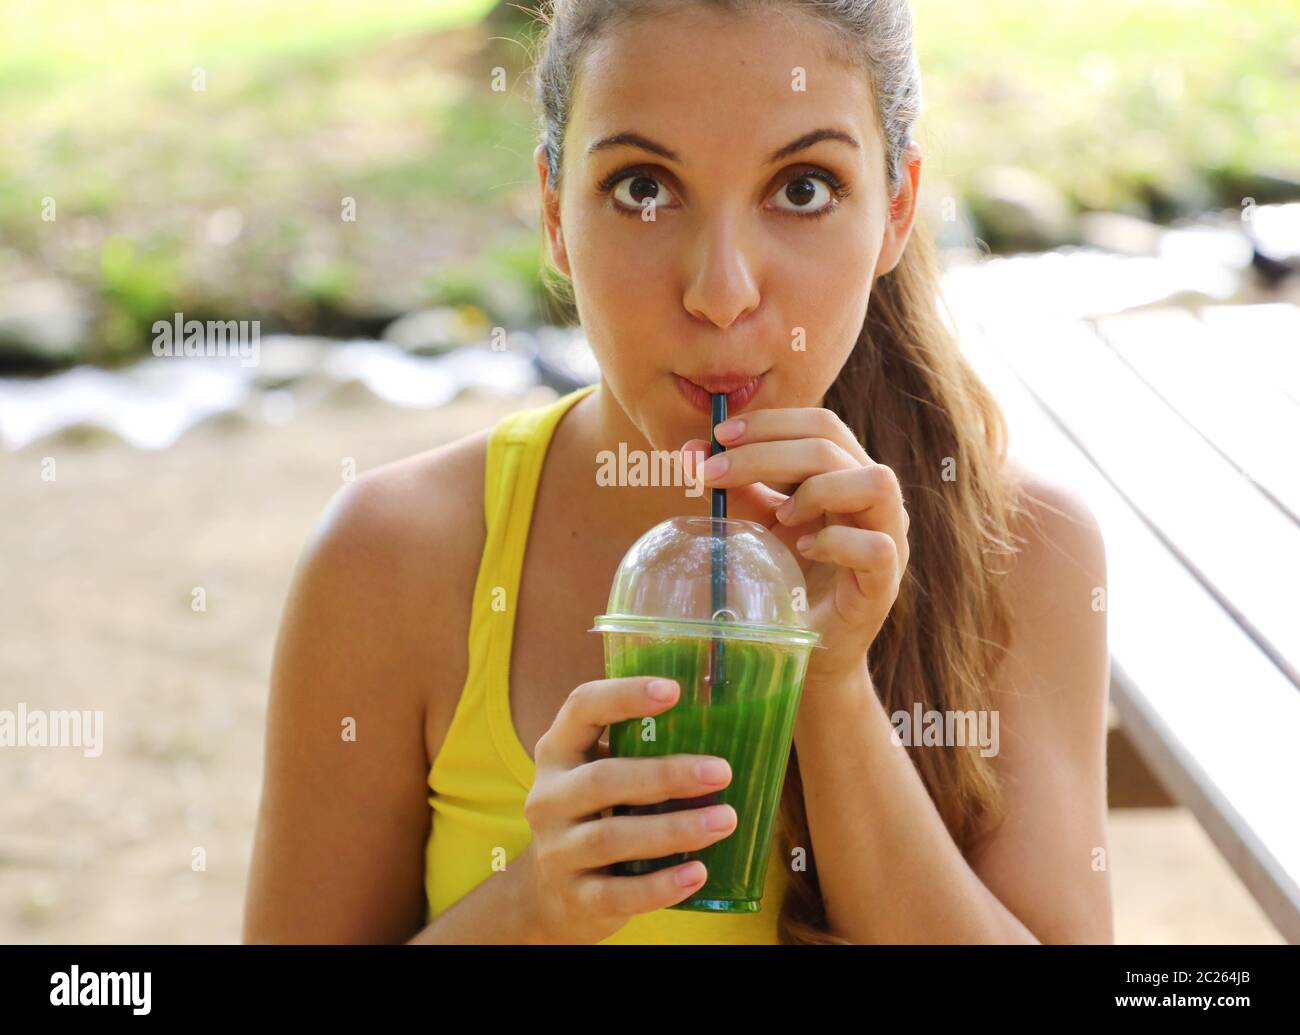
pixel 714 466
pixel 784 510
pixel 805 541
pixel 715 770
pixel 661 689
pixel 718 818
pixel 729 428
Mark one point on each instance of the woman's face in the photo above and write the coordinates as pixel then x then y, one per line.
pixel 739 252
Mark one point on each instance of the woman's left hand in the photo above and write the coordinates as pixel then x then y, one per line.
pixel 846 521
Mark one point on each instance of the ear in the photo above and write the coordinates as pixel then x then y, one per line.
pixel 551 212
pixel 902 211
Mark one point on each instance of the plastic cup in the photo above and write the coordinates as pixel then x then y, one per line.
pixel 659 623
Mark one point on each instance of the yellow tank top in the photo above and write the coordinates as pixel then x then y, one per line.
pixel 482 774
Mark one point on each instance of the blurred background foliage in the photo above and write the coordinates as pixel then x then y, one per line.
pixel 227 201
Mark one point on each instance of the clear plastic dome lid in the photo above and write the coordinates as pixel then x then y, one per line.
pixel 710 577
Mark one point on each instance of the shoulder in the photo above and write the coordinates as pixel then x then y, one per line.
pixel 1050 702
pixel 1058 657
pixel 1061 548
pixel 394 554
pixel 406 518
pixel 361 656
pixel 1056 589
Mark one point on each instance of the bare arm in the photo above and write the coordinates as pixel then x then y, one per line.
pixel 360 672
pixel 338 852
pixel 1048 862
pixel 495 912
pixel 890 871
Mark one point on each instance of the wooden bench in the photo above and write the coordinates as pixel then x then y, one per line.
pixel 1182 433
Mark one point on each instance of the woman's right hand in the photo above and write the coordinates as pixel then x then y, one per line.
pixel 568 892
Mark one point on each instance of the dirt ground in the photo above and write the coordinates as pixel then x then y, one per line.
pixel 101 565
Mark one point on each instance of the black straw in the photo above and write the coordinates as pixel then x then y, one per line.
pixel 718 573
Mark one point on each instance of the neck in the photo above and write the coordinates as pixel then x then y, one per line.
pixel 599 423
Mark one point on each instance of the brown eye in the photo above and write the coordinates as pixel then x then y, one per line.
pixel 636 190
pixel 802 193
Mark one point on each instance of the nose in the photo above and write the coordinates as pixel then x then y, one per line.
pixel 721 285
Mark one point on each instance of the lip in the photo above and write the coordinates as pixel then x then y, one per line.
pixel 740 389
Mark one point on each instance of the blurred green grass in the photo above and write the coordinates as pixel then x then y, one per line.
pixel 1119 105
pixel 228 200
pixel 58 45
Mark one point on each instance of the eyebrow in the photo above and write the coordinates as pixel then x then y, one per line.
pixel 630 139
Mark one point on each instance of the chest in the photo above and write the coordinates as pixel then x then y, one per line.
pixel 564 584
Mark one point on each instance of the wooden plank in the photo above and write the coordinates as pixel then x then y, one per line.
pixel 1210 713
pixel 1265 336
pixel 1235 540
pixel 1236 406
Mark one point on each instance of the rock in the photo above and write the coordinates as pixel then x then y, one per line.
pixel 44 323
pixel 1274 232
pixel 1119 233
pixel 223 422
pixel 286 359
pixel 438 330
pixel 508 301
pixel 80 435
pixel 564 359
pixel 1260 186
pixel 1180 195
pixel 1016 209
pixel 349 395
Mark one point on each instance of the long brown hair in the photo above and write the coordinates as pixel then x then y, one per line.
pixel 916 405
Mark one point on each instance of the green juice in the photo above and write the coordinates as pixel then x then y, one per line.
pixel 747 717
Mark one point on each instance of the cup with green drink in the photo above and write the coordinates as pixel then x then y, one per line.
pixel 740 667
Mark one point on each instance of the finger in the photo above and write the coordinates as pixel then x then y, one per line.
pixel 590 708
pixel 626 896
pixel 600 749
pixel 604 783
pixel 868 495
pixel 756 502
pixel 784 462
pixel 603 842
pixel 775 424
pixel 870 556
pixel 757 498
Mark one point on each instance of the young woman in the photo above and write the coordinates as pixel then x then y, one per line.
pixel 730 189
